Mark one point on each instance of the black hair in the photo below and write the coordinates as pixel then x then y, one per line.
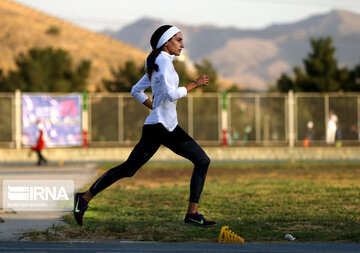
pixel 155 37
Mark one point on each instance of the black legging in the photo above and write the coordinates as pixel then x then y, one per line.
pixel 40 157
pixel 153 136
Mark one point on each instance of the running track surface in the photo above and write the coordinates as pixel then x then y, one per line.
pixel 175 247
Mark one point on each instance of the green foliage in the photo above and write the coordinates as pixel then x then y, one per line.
pixel 355 78
pixel 53 30
pixel 233 88
pixel 124 77
pixel 1 78
pixel 46 70
pixel 321 72
pixel 206 67
pixel 6 119
pixel 182 71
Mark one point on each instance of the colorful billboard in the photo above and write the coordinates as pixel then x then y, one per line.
pixel 59 116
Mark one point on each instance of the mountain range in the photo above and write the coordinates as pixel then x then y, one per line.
pixel 254 59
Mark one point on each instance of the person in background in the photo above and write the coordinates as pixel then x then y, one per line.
pixel 331 128
pixel 308 134
pixel 160 127
pixel 40 144
pixel 354 129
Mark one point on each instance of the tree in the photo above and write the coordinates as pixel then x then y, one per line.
pixel 124 77
pixel 1 75
pixel 322 73
pixel 46 70
pixel 355 78
pixel 206 67
pixel 233 88
pixel 182 71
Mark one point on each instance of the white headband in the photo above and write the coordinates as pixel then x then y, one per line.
pixel 167 35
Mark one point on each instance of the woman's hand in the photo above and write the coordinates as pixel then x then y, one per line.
pixel 203 80
pixel 199 82
pixel 148 103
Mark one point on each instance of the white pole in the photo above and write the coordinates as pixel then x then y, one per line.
pixel 291 101
pixel 257 119
pixel 18 119
pixel 191 116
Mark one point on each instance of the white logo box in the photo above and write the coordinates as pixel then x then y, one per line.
pixel 38 195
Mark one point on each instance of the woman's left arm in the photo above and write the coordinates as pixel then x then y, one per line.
pixel 180 92
pixel 199 82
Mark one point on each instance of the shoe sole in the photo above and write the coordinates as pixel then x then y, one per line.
pixel 199 225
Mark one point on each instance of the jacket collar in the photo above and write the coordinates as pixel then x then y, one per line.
pixel 165 54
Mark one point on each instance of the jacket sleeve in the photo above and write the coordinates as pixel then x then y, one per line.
pixel 137 91
pixel 173 92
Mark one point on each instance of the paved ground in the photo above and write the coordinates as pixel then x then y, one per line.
pixel 13 224
pixel 188 247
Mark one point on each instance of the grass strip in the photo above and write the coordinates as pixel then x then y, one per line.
pixel 260 202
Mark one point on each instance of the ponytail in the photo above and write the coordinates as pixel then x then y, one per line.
pixel 150 62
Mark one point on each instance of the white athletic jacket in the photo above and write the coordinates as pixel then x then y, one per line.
pixel 165 90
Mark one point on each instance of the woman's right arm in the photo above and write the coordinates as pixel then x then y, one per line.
pixel 148 103
pixel 137 91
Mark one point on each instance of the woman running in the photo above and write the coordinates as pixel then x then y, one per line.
pixel 160 127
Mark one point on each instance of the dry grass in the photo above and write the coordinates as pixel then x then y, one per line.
pixel 23 28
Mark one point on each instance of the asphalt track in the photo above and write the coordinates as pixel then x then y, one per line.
pixel 177 247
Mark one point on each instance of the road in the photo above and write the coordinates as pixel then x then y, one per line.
pixel 178 247
pixel 13 224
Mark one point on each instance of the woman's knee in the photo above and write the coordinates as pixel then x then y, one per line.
pixel 207 160
pixel 203 161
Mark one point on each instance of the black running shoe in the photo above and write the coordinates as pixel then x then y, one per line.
pixel 196 219
pixel 80 206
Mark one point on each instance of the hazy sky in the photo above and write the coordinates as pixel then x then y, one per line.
pixel 114 14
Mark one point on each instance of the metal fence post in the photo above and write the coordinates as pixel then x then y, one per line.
pixel 327 109
pixel 18 119
pixel 224 120
pixel 121 118
pixel 291 104
pixel 85 119
pixel 257 118
pixel 190 115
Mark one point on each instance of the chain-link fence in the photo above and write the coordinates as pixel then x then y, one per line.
pixel 314 110
pixel 7 120
pixel 117 119
pixel 243 119
pixel 257 119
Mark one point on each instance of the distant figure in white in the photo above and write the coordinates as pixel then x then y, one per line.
pixel 331 128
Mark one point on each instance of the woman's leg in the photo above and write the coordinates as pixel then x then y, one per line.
pixel 182 144
pixel 42 158
pixel 39 157
pixel 141 153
